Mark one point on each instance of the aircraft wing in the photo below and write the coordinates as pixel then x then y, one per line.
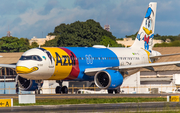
pixel 92 71
pixel 8 65
pixel 148 66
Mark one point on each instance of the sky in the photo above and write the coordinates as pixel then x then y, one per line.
pixel 28 18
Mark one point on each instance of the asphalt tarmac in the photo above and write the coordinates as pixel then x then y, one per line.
pixel 84 108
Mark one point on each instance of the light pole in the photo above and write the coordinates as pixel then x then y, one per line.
pixel 4 84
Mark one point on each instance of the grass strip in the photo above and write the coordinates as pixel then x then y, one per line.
pixel 89 101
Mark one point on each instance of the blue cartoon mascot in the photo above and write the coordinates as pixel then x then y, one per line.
pixel 147 29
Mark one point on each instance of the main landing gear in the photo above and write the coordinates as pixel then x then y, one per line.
pixel 61 89
pixel 116 91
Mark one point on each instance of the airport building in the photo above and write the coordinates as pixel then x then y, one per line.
pixel 127 42
pixel 162 79
pixel 41 41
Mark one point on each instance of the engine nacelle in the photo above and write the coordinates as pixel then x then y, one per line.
pixel 27 85
pixel 108 79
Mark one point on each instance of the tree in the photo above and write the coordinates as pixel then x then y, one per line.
pixel 23 44
pixel 133 36
pixel 175 43
pixel 51 43
pixel 107 41
pixel 80 34
pixel 13 44
pixel 34 45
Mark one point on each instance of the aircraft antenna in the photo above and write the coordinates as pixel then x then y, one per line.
pixel 107 27
pixel 8 32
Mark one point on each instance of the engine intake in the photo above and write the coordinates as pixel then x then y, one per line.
pixel 108 79
pixel 26 85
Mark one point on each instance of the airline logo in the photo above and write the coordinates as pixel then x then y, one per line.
pixel 65 62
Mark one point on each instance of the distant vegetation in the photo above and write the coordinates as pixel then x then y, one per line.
pixel 175 43
pixel 14 44
pixel 78 34
pixel 133 36
pixel 175 40
pixel 81 34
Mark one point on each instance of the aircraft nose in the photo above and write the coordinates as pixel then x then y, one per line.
pixel 25 70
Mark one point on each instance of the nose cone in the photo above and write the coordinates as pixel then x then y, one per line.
pixel 25 70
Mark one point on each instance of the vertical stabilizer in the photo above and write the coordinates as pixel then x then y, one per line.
pixel 144 38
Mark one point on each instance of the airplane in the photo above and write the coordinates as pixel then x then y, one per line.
pixel 106 66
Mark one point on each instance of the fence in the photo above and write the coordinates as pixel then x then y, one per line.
pixel 150 89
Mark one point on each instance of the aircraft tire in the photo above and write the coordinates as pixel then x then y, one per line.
pixel 110 91
pixel 37 91
pixel 64 90
pixel 117 91
pixel 58 90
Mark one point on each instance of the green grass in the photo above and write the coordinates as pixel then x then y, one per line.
pixel 166 109
pixel 89 101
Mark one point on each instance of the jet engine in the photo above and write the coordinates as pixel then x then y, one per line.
pixel 108 79
pixel 27 85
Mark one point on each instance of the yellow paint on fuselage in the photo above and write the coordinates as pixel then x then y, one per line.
pixel 61 71
pixel 148 53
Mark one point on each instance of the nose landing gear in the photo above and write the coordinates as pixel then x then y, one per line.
pixel 61 89
pixel 39 82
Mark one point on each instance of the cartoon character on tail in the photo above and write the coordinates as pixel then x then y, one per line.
pixel 147 29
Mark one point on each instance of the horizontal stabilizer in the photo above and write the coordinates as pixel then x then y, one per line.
pixel 166 55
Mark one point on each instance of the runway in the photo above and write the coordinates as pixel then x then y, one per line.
pixel 118 107
pixel 81 96
pixel 84 108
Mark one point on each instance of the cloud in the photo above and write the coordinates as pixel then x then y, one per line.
pixel 31 18
pixel 13 7
pixel 88 4
pixel 48 7
pixel 23 6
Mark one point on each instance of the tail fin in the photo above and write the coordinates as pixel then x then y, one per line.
pixel 144 38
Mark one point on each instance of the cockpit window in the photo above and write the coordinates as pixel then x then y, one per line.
pixel 33 57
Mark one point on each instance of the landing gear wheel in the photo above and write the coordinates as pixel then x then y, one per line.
pixel 37 91
pixel 58 90
pixel 110 91
pixel 64 90
pixel 117 91
pixel 39 82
